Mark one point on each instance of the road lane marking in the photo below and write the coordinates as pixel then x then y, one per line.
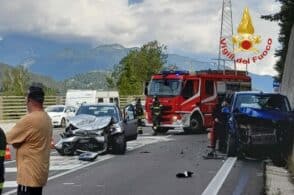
pixel 132 145
pixel 216 183
pixel 8 162
pixel 10 184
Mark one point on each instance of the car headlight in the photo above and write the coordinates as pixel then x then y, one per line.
pixel 174 118
pixel 116 127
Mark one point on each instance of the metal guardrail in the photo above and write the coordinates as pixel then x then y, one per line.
pixel 14 107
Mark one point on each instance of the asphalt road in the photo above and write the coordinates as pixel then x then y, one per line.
pixel 150 167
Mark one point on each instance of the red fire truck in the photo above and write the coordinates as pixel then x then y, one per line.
pixel 188 99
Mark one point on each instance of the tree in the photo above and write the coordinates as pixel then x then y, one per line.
pixel 16 81
pixel 136 68
pixel 286 19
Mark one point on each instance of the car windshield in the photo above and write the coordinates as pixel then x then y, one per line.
pixel 165 87
pixel 262 101
pixel 54 109
pixel 99 110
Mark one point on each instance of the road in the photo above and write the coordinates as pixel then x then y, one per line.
pixel 149 167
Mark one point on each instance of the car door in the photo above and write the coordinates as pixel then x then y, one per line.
pixel 130 122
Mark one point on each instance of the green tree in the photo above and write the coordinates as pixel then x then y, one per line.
pixel 16 81
pixel 130 75
pixel 286 19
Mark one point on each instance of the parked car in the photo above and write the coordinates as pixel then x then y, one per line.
pixel 60 113
pixel 260 122
pixel 98 127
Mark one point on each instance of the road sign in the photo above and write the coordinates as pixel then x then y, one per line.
pixel 276 84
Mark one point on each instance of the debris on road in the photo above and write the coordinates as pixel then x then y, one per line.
pixel 145 152
pixel 88 156
pixel 185 174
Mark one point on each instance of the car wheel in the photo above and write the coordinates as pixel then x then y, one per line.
pixel 119 144
pixel 231 146
pixel 65 151
pixel 62 123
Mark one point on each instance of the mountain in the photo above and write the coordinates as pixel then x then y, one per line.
pixel 69 60
pixel 59 60
pixel 95 80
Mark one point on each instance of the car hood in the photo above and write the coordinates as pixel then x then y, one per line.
pixel 266 114
pixel 89 122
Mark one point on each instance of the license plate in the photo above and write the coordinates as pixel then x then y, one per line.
pixel 264 139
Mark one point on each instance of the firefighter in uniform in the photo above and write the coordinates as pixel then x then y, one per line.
pixel 219 128
pixel 140 115
pixel 156 110
pixel 2 157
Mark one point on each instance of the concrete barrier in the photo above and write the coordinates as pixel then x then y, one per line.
pixel 287 80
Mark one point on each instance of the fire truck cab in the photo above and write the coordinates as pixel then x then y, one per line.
pixel 188 99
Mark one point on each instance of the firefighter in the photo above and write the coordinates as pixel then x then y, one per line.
pixel 219 128
pixel 2 157
pixel 139 112
pixel 156 110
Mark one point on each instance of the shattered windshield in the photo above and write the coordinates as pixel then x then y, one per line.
pixel 165 87
pixel 261 101
pixel 99 111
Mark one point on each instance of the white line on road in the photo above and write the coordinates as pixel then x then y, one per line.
pixel 144 141
pixel 8 162
pixel 216 183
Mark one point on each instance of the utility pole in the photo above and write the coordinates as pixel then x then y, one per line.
pixel 226 32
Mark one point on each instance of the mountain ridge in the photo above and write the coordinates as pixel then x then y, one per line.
pixel 63 60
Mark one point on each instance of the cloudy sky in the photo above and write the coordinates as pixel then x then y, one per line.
pixel 187 27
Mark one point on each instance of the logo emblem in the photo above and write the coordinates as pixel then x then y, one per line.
pixel 245 43
pixel 246 40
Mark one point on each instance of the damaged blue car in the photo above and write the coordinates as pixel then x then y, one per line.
pixel 260 123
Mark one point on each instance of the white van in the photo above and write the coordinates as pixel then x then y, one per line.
pixel 76 97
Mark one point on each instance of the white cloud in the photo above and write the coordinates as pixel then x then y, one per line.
pixel 191 26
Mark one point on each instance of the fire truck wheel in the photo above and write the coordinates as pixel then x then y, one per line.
pixel 195 125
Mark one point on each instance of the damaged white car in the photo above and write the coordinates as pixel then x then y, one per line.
pixel 100 127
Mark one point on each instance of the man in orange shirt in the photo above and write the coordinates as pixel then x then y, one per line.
pixel 31 137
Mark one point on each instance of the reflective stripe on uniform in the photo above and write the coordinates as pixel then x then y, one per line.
pixel 2 153
pixel 1 185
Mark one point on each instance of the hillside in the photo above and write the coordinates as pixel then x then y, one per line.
pixel 67 61
pixel 59 60
pixel 92 80
pixel 47 81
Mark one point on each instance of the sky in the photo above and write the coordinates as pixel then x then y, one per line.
pixel 186 27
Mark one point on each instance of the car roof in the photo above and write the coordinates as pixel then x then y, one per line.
pixel 257 93
pixel 59 105
pixel 100 104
